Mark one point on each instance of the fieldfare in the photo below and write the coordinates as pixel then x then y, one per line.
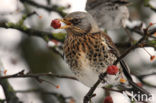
pixel 89 51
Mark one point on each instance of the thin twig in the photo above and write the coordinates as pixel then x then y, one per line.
pixel 137 30
pixel 45 35
pixel 146 75
pixel 115 90
pixel 147 33
pixel 30 31
pixel 10 96
pixel 142 77
pixel 125 45
pixel 89 95
pixel 147 4
pixel 21 74
pixel 55 8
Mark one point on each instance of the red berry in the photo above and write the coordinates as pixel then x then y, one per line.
pixel 139 84
pixel 108 99
pixel 112 70
pixel 55 23
pixel 57 86
pixel 150 24
pixel 152 57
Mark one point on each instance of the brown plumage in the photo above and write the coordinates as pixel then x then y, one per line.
pixel 90 50
pixel 93 45
pixel 87 50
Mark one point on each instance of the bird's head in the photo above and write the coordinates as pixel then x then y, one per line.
pixel 79 23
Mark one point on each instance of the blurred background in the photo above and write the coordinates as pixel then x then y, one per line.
pixel 19 51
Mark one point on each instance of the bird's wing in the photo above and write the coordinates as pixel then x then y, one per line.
pixel 115 51
pixel 126 71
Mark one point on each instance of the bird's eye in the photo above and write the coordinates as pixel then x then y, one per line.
pixel 75 21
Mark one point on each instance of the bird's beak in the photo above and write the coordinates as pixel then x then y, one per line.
pixel 65 21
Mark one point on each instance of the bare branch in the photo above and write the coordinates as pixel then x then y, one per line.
pixel 147 34
pixel 137 29
pixel 55 8
pixel 31 32
pixel 10 95
pixel 147 4
pixel 142 77
pixel 21 74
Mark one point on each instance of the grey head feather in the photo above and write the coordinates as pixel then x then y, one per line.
pixel 83 21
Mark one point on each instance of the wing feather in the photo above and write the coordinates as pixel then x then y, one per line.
pixel 115 51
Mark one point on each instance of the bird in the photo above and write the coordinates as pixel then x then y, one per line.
pixel 110 14
pixel 89 51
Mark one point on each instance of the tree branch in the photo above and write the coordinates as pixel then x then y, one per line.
pixel 147 34
pixel 55 8
pixel 147 4
pixel 141 78
pixel 33 32
pixel 137 29
pixel 60 36
pixel 125 45
pixel 9 92
pixel 132 47
pixel 21 74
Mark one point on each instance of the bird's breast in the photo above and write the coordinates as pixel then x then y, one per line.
pixel 87 56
